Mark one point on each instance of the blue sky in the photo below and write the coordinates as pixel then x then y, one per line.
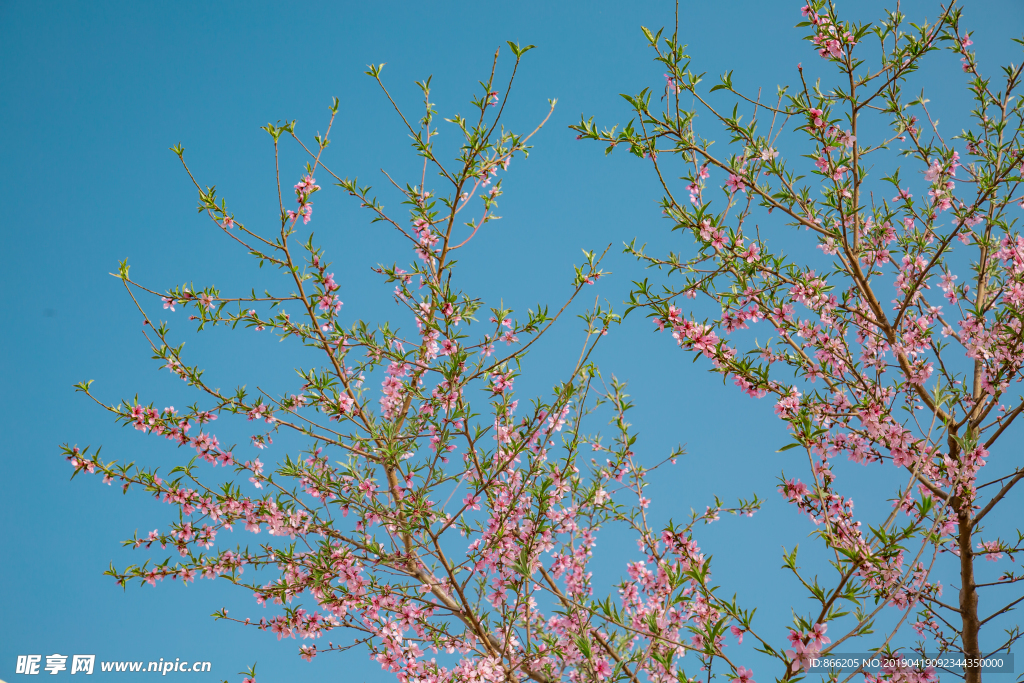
pixel 93 96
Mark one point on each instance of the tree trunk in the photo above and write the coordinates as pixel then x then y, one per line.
pixel 968 594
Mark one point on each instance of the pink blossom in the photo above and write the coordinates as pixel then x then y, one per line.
pixel 991 548
pixel 735 183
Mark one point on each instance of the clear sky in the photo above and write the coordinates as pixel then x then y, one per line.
pixel 94 93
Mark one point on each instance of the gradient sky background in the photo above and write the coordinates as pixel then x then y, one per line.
pixel 95 93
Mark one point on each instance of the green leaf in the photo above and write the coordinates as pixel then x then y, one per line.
pixel 519 51
pixel 726 83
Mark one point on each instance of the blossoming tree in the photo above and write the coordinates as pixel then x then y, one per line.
pixel 908 381
pixel 450 531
